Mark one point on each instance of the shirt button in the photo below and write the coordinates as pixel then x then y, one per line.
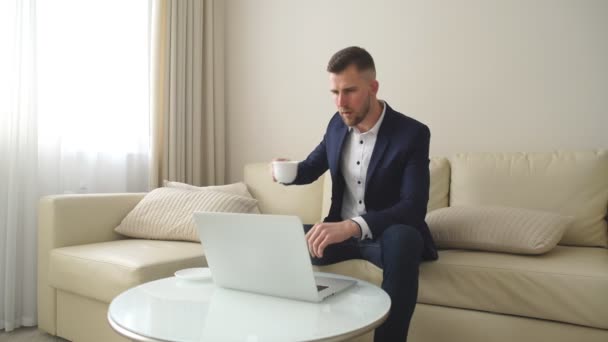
pixel 358 182
pixel 361 142
pixel 359 202
pixel 358 163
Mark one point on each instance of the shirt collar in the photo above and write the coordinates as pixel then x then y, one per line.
pixel 374 130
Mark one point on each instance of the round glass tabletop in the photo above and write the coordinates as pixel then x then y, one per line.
pixel 174 309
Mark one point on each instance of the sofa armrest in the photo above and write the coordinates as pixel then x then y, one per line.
pixel 68 220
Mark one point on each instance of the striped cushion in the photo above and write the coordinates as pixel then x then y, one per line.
pixel 497 229
pixel 166 213
pixel 239 188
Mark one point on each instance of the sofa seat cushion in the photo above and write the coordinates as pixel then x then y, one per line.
pixel 568 284
pixel 104 270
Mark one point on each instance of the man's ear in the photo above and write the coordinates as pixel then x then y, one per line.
pixel 374 86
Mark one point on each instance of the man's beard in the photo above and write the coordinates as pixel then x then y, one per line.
pixel 358 117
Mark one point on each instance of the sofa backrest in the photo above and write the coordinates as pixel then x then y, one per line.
pixel 570 183
pixel 439 168
pixel 301 200
pixel 440 183
pixel 311 202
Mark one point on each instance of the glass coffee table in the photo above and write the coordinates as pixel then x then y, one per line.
pixel 173 309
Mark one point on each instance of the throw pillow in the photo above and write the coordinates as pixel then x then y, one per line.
pixel 236 188
pixel 166 213
pixel 497 229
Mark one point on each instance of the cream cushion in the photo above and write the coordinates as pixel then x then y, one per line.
pixel 235 188
pixel 238 188
pixel 166 213
pixel 570 183
pixel 104 270
pixel 497 229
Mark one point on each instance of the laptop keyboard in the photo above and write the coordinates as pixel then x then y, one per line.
pixel 321 288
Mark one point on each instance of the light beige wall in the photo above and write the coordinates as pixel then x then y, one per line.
pixel 485 75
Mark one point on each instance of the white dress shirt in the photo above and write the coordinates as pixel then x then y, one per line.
pixel 356 154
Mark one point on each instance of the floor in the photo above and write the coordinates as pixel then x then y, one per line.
pixel 28 335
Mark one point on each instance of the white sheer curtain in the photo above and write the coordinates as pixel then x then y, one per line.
pixel 18 164
pixel 93 97
pixel 73 119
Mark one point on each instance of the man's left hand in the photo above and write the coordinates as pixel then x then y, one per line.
pixel 324 234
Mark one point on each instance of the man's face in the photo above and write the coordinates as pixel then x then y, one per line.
pixel 353 92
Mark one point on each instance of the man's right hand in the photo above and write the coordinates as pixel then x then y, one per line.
pixel 272 169
pixel 324 234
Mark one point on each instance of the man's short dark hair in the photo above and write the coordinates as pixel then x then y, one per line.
pixel 351 55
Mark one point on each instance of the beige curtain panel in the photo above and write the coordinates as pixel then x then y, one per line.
pixel 187 92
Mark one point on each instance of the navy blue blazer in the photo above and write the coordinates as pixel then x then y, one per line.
pixel 397 184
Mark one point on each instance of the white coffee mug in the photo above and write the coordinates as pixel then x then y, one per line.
pixel 285 171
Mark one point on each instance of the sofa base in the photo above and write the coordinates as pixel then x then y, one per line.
pixel 438 323
pixel 81 319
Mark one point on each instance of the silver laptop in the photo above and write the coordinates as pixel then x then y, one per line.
pixel 265 254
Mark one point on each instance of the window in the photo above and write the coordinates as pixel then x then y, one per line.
pixel 93 94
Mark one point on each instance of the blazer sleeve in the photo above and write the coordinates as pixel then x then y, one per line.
pixel 310 169
pixel 414 191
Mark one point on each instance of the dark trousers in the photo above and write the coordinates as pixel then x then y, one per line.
pixel 398 251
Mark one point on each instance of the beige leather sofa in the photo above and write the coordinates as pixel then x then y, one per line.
pixel 464 296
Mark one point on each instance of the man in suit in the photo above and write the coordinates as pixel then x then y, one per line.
pixel 379 165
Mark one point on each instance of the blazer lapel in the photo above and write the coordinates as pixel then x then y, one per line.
pixel 335 161
pixel 381 145
pixel 382 142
